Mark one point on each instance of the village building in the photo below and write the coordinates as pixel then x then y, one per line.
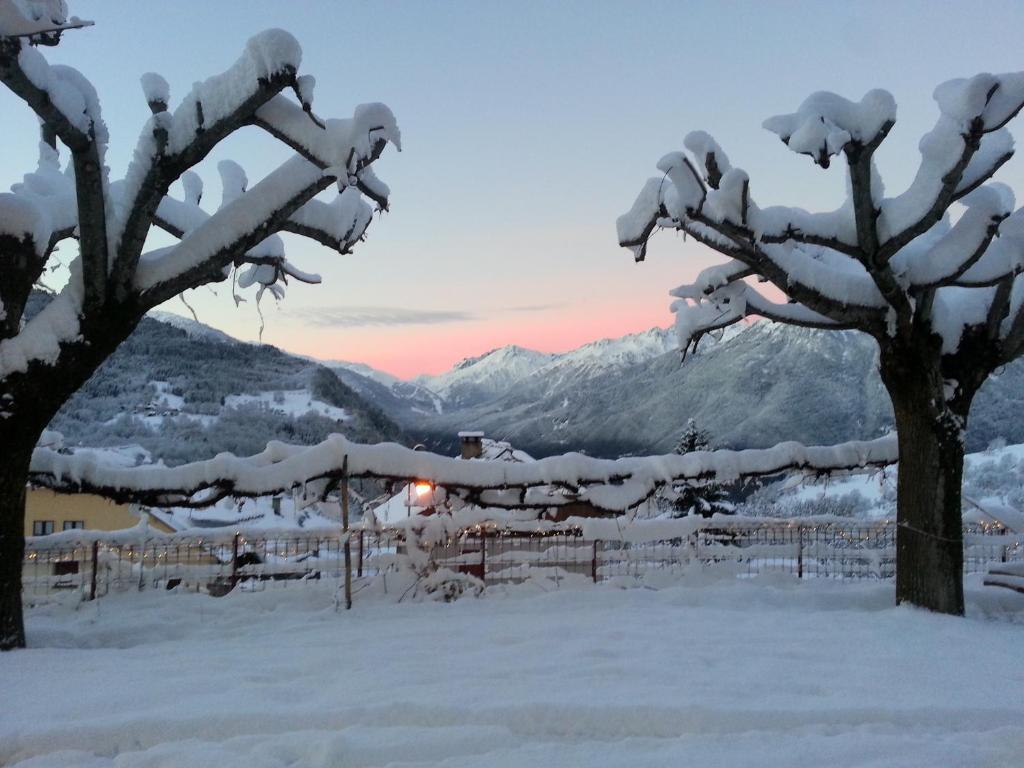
pixel 422 498
pixel 48 512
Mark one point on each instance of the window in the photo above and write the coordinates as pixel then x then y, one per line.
pixel 42 527
pixel 74 525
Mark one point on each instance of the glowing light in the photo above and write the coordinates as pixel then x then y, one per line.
pixel 423 488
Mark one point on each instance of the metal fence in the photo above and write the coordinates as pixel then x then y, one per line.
pixel 829 551
pixel 219 563
pixel 212 564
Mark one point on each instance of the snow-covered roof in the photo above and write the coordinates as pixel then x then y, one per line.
pixel 249 512
pixel 499 450
pixel 471 434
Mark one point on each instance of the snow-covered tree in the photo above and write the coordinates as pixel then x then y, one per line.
pixel 700 497
pixel 113 280
pixel 693 439
pixel 705 498
pixel 932 273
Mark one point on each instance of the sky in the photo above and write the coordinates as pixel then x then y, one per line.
pixel 527 128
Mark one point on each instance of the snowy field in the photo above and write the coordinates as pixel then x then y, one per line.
pixel 726 673
pixel 293 402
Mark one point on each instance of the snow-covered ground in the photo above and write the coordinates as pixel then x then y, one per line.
pixel 296 402
pixel 720 673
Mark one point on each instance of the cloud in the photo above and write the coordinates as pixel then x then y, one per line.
pixel 535 307
pixel 358 317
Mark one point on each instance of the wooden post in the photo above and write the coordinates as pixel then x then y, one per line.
pixel 344 528
pixel 234 561
pixel 800 553
pixel 359 566
pixel 593 563
pixel 483 555
pixel 142 566
pixel 95 567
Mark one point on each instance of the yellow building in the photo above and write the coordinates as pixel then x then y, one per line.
pixel 48 512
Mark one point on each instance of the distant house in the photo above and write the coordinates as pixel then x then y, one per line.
pixel 48 512
pixel 421 498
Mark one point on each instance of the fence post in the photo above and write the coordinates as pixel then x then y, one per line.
pixel 593 563
pixel 483 555
pixel 348 542
pixel 142 566
pixel 95 567
pixel 359 567
pixel 234 561
pixel 800 552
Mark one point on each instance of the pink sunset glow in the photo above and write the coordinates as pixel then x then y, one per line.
pixel 431 349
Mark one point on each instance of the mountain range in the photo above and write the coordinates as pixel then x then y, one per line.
pixel 756 385
pixel 184 391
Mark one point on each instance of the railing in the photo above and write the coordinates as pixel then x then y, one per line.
pixel 97 564
pixel 212 563
pixel 804 550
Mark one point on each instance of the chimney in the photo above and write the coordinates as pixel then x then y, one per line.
pixel 472 444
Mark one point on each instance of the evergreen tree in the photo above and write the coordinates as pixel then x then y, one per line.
pixel 693 439
pixel 702 498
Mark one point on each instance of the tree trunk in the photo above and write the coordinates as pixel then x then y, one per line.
pixel 931 418
pixel 13 474
pixel 30 400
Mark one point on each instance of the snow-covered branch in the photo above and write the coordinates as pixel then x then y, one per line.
pixel 608 484
pixel 968 110
pixel 882 265
pixel 68 105
pixel 338 224
pixel 112 221
pixel 40 22
pixel 233 234
pixel 697 315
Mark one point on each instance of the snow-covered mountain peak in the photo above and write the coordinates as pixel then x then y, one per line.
pixel 481 377
pixel 511 354
pixel 613 353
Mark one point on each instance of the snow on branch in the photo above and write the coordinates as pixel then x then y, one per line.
pixel 338 224
pixel 697 315
pixel 608 484
pixel 231 232
pixel 966 115
pixel 826 123
pixel 219 99
pixel 1004 258
pixel 41 21
pixel 876 264
pixel 111 276
pixel 945 252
